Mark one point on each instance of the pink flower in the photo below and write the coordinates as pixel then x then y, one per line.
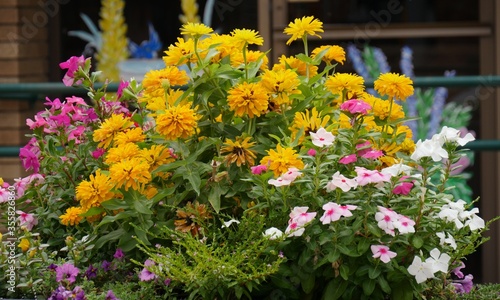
pixel 341 182
pixel 348 159
pixel 386 218
pixel 355 106
pixel 373 154
pixel 26 219
pixel 72 64
pixel 257 170
pixel 147 275
pixel 76 134
pixel 294 229
pixel 311 152
pixel 382 252
pixel 29 159
pixel 334 211
pixel 67 272
pixel 404 224
pixel 39 121
pixel 366 176
pixel 300 215
pixel 403 188
pixel 279 182
pixel 291 174
pixel 5 195
pixel 322 137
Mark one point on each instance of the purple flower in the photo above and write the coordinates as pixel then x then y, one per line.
pixel 78 293
pixel 98 153
pixel 110 295
pixel 106 265
pixel 123 85
pixel 463 286
pixel 91 272
pixel 52 267
pixel 145 274
pixel 119 254
pixel 60 294
pixel 67 272
pixel 167 281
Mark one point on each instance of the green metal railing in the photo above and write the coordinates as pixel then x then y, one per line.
pixel 34 91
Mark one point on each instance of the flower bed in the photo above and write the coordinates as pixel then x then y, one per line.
pixel 233 179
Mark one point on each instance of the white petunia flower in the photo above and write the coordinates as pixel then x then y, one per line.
pixel 421 270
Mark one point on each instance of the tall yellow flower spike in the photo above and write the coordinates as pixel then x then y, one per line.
pixel 114 39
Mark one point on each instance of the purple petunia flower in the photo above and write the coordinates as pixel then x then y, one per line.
pixel 145 274
pixel 106 265
pixel 110 295
pixel 67 272
pixel 78 293
pixel 91 272
pixel 119 254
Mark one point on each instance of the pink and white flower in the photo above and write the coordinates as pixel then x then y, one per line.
pixel 291 174
pixel 382 252
pixel 341 182
pixel 322 137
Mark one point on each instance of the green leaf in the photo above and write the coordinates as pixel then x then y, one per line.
pixel 114 204
pixel 384 285
pixel 334 290
pixel 110 219
pixel 373 272
pixel 193 176
pixel 214 196
pixel 92 212
pixel 344 271
pixel 368 286
pixel 141 207
pixel 402 291
pixel 113 235
pixel 417 242
pixel 308 284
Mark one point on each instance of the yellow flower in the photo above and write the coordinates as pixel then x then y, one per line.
pixel 190 11
pixel 180 53
pixel 133 135
pixel 156 156
pixel 149 191
pixel 1 236
pixel 308 121
pixel 295 64
pixel 176 122
pixel 161 80
pixel 121 152
pixel 72 216
pixel 131 173
pixel 334 53
pixel 224 44
pixel 281 159
pixel 340 82
pixel 300 27
pixel 195 29
pixel 94 191
pixel 281 84
pixel 252 56
pixel 394 85
pixel 380 108
pixel 247 36
pixel 1 183
pixel 109 128
pixel 239 152
pixel 24 244
pixel 247 99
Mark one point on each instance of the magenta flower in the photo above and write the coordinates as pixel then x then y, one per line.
pixel 66 272
pixel 98 153
pixel 147 275
pixel 322 137
pixel 29 159
pixel 123 85
pixel 402 188
pixel 76 134
pixel 72 64
pixel 311 152
pixel 348 159
pixel 110 295
pixel 91 272
pixel 355 106
pixel 39 121
pixel 341 182
pixel 373 154
pixel 257 170
pixel 382 252
pixel 363 148
pixel 119 255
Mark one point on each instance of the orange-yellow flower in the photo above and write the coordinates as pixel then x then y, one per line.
pixel 121 152
pixel 157 81
pixel 239 152
pixel 24 245
pixel 308 121
pixel 247 36
pixel 281 84
pixel 132 173
pixel 195 29
pixel 94 191
pixel 72 216
pixel 394 85
pixel 281 159
pixel 251 56
pixel 247 99
pixel 339 83
pixel 178 121
pixel 295 64
pixel 110 128
pixel 156 156
pixel 180 53
pixel 300 27
pixel 333 53
pixel 133 135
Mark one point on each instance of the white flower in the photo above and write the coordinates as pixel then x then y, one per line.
pixel 341 182
pixel 228 223
pixel 448 134
pixel 397 169
pixel 273 233
pixel 421 270
pixel 291 174
pixel 429 148
pixel 475 223
pixel 322 137
pixel 279 182
pixel 439 261
pixel 446 240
